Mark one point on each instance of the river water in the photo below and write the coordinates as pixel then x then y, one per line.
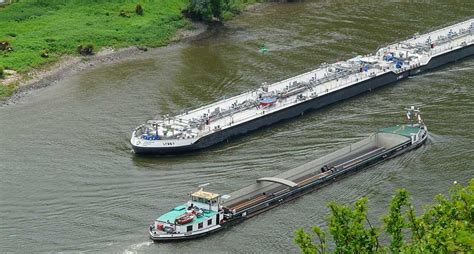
pixel 69 181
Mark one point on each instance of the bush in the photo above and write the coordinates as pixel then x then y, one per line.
pixel 124 14
pixel 86 50
pixel 5 45
pixel 445 227
pixel 44 53
pixel 139 10
pixel 213 10
pixel 7 90
pixel 205 10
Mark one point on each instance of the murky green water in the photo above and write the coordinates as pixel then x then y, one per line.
pixel 68 181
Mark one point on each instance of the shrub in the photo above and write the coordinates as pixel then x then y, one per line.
pixel 200 10
pixel 139 9
pixel 444 227
pixel 124 14
pixel 208 10
pixel 44 53
pixel 86 50
pixel 4 45
pixel 7 90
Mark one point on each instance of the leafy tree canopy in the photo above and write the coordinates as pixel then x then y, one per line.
pixel 445 227
pixel 208 10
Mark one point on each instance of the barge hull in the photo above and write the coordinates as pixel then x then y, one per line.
pixel 312 104
pixel 450 57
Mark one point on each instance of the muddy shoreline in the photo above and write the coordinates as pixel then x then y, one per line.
pixel 70 65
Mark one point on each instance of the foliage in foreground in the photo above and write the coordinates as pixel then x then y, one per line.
pixel 445 227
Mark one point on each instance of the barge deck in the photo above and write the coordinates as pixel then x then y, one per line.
pixel 362 154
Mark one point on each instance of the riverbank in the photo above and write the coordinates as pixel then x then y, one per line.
pixel 41 50
pixel 17 85
pixel 39 40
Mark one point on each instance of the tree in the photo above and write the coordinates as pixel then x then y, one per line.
pixel 349 230
pixel 200 9
pixel 447 226
pixel 207 10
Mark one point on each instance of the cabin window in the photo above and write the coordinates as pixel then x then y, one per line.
pixel 200 225
pixel 209 222
pixel 189 228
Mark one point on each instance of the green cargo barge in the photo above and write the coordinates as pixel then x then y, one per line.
pixel 223 211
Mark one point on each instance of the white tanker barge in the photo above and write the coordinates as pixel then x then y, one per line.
pixel 208 212
pixel 268 104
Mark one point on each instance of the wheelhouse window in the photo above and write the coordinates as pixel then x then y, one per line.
pixel 212 201
pixel 200 225
pixel 209 222
pixel 189 228
pixel 200 200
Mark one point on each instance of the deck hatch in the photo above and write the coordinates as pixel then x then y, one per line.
pixel 278 180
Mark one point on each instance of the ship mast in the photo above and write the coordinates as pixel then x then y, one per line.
pixel 414 115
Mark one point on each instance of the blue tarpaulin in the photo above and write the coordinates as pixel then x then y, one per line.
pixel 399 64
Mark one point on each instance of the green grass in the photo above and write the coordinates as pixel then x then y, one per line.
pixel 7 91
pixel 61 25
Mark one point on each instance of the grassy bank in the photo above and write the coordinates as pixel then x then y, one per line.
pixel 38 32
pixel 33 26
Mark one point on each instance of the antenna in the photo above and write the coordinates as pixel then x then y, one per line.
pixel 413 114
pixel 203 185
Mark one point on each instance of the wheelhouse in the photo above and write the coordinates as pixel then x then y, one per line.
pixel 200 215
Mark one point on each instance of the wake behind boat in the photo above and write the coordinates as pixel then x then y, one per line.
pixel 205 126
pixel 208 212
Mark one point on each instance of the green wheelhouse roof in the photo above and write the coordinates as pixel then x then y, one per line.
pixel 403 130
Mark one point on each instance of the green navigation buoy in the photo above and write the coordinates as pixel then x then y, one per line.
pixel 263 49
